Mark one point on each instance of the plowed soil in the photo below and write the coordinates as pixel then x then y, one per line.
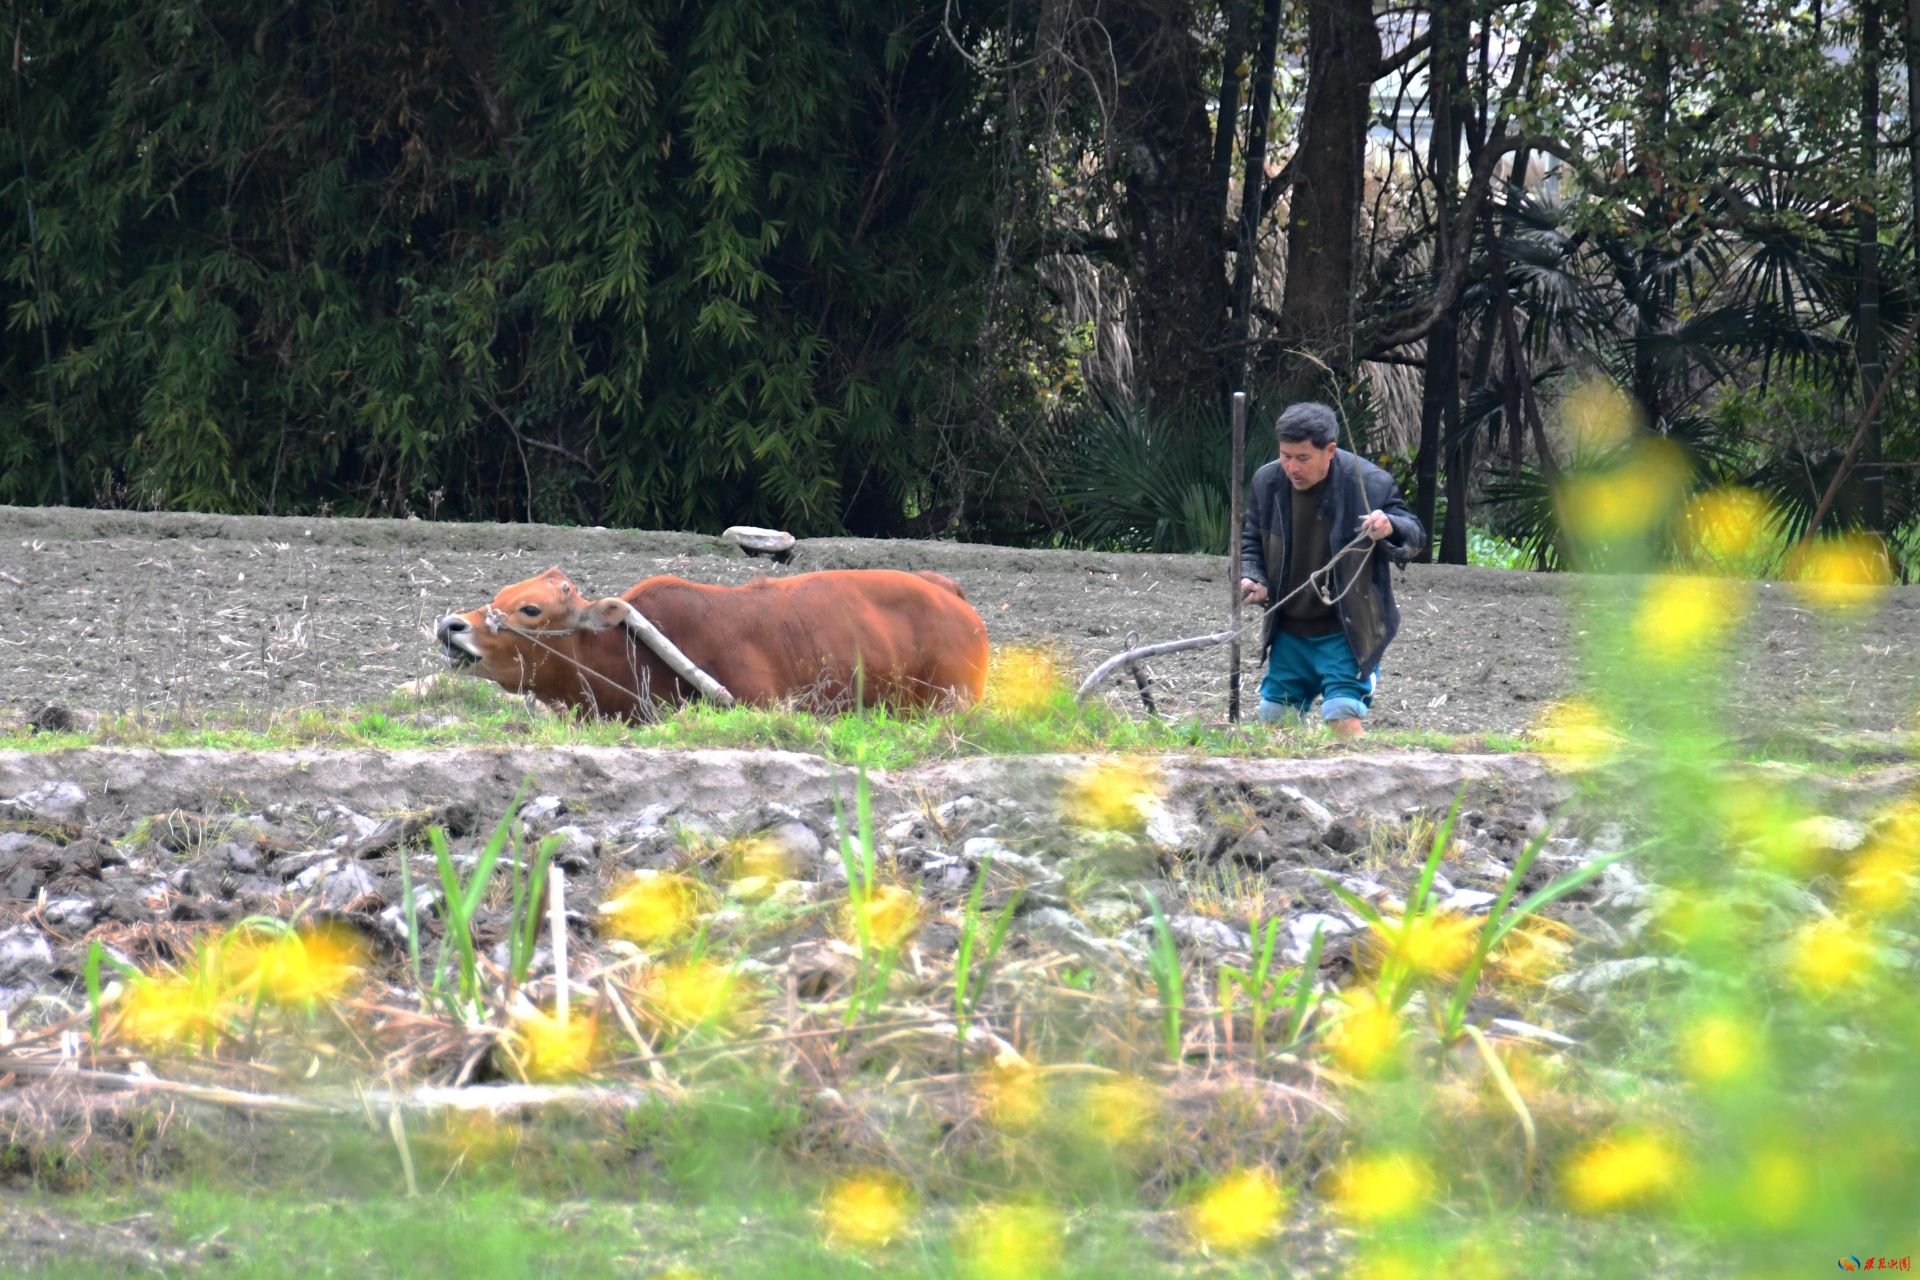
pixel 112 611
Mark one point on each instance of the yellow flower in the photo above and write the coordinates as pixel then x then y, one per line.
pixel 1599 415
pixel 1435 946
pixel 1775 1187
pixel 293 968
pixel 1827 955
pixel 757 857
pixel 1767 821
pixel 1022 681
pixel 1574 730
pixel 1397 1262
pixel 1680 616
pixel 1012 1094
pixel 478 1136
pixel 1532 952
pixel 1625 501
pixel 653 909
pixel 1113 795
pixel 1012 1242
pixel 1119 1112
pixel 1718 1047
pixel 1881 877
pixel 159 1013
pixel 1699 920
pixel 1239 1211
pixel 865 1211
pixel 890 914
pixel 1847 572
pixel 1383 1187
pixel 1619 1172
pixel 1725 524
pixel 694 993
pixel 549 1049
pixel 1366 1035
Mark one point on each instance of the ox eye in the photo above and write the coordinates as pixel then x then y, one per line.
pixel 531 611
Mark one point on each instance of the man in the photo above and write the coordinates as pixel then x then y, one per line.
pixel 1307 504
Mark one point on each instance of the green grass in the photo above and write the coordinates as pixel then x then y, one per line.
pixel 469 714
pixel 479 1234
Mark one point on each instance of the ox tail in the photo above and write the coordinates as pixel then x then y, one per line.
pixel 940 580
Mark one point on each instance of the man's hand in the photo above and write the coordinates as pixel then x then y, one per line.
pixel 1253 592
pixel 1376 525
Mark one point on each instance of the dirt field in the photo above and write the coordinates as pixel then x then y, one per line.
pixel 114 611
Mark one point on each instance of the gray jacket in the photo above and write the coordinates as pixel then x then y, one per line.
pixel 1367 613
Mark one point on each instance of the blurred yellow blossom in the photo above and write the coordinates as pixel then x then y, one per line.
pixel 1575 731
pixel 1776 1187
pixel 1021 681
pixel 549 1049
pixel 1715 1048
pixel 1119 1112
pixel 1847 572
pixel 1725 524
pixel 1534 951
pixel 1379 1188
pixel 1681 616
pixel 1625 501
pixel 1828 955
pixel 1599 415
pixel 1366 1034
pixel 1434 946
pixel 159 1013
pixel 889 913
pixel 1012 1242
pixel 292 968
pixel 694 993
pixel 1881 877
pixel 1238 1211
pixel 653 909
pixel 478 1136
pixel 1620 1172
pixel 1769 822
pixel 1700 921
pixel 758 857
pixel 865 1211
pixel 1011 1092
pixel 1112 795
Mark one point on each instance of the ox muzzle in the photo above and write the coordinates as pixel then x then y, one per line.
pixel 455 635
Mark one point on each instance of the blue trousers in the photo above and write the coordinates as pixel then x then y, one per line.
pixel 1302 668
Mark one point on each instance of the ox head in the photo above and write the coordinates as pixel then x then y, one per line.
pixel 530 635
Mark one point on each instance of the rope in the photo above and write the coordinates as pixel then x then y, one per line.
pixel 642 631
pixel 1317 580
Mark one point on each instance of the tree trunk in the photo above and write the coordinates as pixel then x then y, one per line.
pixel 1650 288
pixel 1873 485
pixel 1175 252
pixel 1440 388
pixel 1316 312
pixel 1246 253
pixel 1912 34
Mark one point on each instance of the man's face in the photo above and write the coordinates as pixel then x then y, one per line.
pixel 1305 462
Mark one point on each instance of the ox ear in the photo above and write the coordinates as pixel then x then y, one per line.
pixel 603 615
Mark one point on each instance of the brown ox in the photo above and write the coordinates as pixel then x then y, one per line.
pixel 912 637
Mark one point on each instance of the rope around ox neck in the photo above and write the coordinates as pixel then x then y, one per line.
pixel 642 628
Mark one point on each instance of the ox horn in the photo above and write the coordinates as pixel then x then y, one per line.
pixel 670 654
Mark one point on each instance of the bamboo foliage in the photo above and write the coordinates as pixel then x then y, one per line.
pixel 638 262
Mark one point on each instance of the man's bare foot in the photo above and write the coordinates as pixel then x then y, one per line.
pixel 1349 727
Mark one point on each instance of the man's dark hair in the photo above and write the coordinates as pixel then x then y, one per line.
pixel 1307 422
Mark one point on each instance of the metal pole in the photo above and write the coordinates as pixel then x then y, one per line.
pixel 1235 484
